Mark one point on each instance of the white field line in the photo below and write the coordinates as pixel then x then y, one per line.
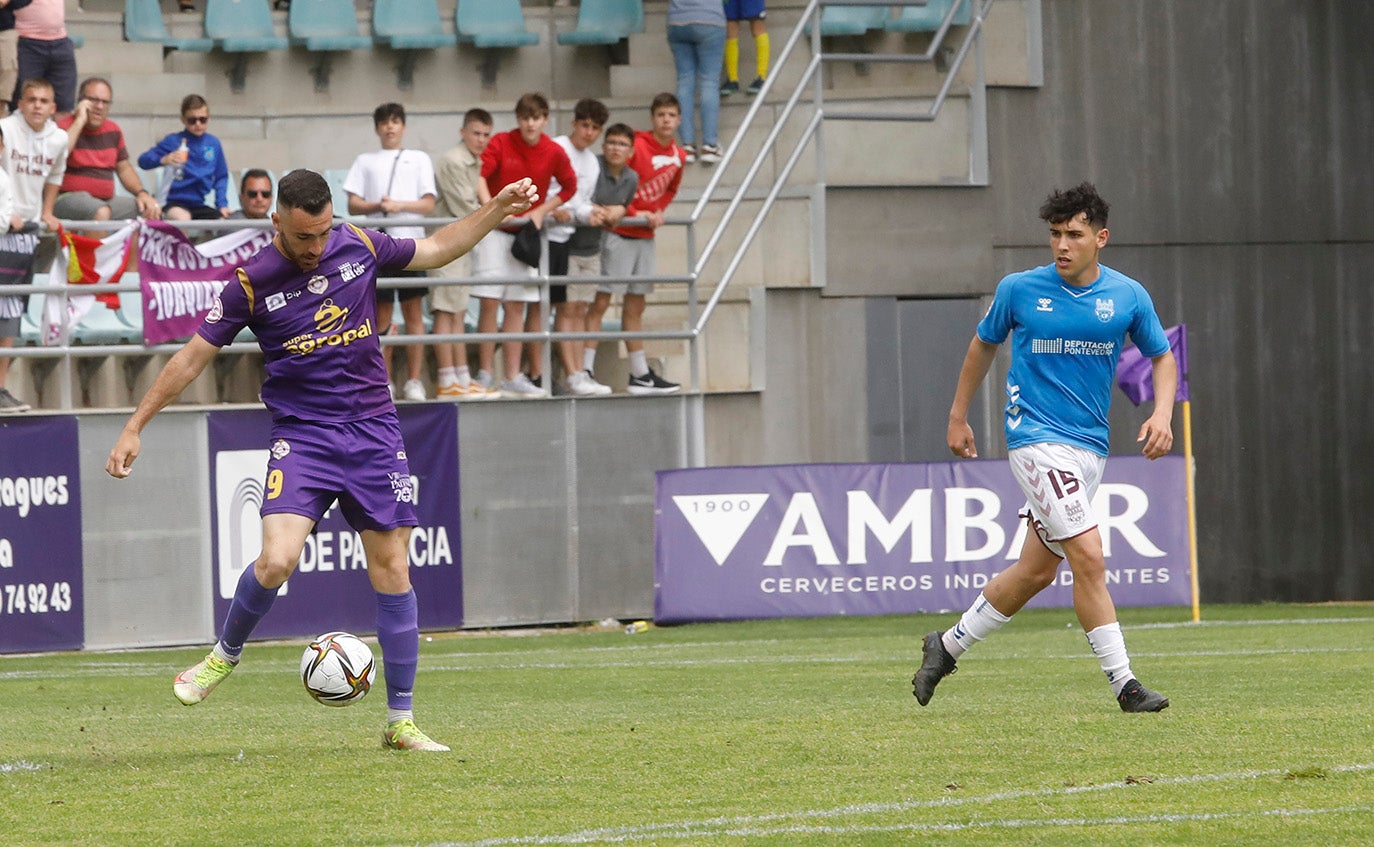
pixel 501 661
pixel 786 823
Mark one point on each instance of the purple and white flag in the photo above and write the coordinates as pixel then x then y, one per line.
pixel 181 278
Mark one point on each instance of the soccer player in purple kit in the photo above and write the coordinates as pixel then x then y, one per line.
pixel 310 300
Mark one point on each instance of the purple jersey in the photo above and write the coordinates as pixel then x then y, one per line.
pixel 317 330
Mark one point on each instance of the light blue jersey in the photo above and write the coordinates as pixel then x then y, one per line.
pixel 1065 343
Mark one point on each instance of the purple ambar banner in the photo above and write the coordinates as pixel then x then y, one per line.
pixel 818 540
pixel 40 535
pixel 330 589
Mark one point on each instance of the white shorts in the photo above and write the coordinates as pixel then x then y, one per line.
pixel 1059 481
pixel 492 258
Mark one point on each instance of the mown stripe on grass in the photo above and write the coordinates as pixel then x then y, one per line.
pixel 778 823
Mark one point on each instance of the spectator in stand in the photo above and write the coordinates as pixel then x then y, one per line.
pixel 199 157
pixel 629 250
pixel 255 196
pixel 394 182
pixel 45 50
pixel 95 156
pixel 9 52
pixel 616 184
pixel 456 176
pixel 35 157
pixel 753 12
pixel 575 244
pixel 11 307
pixel 696 35
pixel 522 152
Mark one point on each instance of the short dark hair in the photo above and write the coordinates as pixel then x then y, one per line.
pixel 622 130
pixel 386 112
pixel 92 80
pixel 253 173
pixel 478 116
pixel 193 101
pixel 667 98
pixel 305 190
pixel 532 105
pixel 1083 199
pixel 589 109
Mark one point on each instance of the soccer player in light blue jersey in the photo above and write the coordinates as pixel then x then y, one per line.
pixel 1067 322
pixel 310 299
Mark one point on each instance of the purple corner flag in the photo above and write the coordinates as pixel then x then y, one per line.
pixel 1133 372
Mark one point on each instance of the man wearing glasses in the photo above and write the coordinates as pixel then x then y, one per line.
pixel 255 195
pixel 196 159
pixel 96 155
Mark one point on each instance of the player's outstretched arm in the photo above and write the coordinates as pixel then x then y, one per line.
pixel 185 366
pixel 977 361
pixel 1157 433
pixel 459 237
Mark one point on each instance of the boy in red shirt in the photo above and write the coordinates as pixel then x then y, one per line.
pixel 629 250
pixel 526 151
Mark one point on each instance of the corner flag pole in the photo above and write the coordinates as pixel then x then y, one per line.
pixel 1192 507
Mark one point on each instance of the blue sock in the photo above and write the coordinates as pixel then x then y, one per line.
pixel 398 633
pixel 251 602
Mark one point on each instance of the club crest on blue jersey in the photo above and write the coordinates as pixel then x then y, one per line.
pixel 1106 309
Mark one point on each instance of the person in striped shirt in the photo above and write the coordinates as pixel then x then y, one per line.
pixel 96 156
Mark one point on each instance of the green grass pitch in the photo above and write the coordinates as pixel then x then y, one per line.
pixel 764 733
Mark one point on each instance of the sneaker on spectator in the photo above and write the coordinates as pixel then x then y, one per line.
pixel 520 388
pixel 651 383
pixel 580 384
pixel 413 390
pixel 754 87
pixel 710 154
pixel 597 388
pixel 691 151
pixel 485 379
pixel 474 390
pixel 452 391
pixel 9 404
pixel 730 86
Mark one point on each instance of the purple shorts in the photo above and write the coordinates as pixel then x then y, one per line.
pixel 362 464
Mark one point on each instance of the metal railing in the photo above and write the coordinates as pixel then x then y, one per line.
pixel 806 102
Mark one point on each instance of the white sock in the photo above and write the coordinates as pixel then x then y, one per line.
pixel 449 376
pixel 1109 645
pixel 225 655
pixel 589 359
pixel 393 715
pixel 980 621
pixel 639 363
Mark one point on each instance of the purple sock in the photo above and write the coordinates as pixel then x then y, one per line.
pixel 398 633
pixel 251 602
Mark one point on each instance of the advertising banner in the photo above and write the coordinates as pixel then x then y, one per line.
pixel 330 588
pixel 818 540
pixel 180 278
pixel 40 535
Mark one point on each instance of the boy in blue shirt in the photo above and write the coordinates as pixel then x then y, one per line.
pixel 200 157
pixel 1067 322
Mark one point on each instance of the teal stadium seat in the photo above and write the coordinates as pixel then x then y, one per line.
pixel 928 18
pixel 242 26
pixel 409 25
pixel 851 20
pixel 143 22
pixel 335 178
pixel 492 23
pixel 325 25
pixel 605 22
pixel 31 322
